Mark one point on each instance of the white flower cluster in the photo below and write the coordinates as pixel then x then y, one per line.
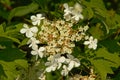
pixel 57 61
pixel 32 33
pixel 73 14
pixel 57 38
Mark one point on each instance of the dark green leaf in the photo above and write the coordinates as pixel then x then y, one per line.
pixel 10 54
pixel 111 45
pixel 23 10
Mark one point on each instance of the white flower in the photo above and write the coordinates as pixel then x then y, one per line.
pixel 55 62
pixel 60 60
pixel 92 43
pixel 52 65
pixel 30 32
pixel 67 17
pixel 65 70
pixel 77 17
pixel 33 42
pixel 73 13
pixel 86 28
pixel 51 68
pixel 67 9
pixel 36 20
pixel 76 12
pixel 38 52
pixel 67 12
pixel 73 62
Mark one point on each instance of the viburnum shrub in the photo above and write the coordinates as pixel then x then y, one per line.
pixel 55 40
pixel 59 40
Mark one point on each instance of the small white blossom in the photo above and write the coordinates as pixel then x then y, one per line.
pixel 38 52
pixel 67 12
pixel 86 28
pixel 65 70
pixel 76 12
pixel 36 20
pixel 92 43
pixel 33 42
pixel 30 32
pixel 55 62
pixel 73 62
pixel 67 9
pixel 73 13
pixel 52 65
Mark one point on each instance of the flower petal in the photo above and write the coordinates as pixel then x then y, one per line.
pixel 77 64
pixel 39 16
pixel 41 48
pixel 65 5
pixel 29 34
pixel 71 65
pixel 34 52
pixel 33 18
pixel 34 29
pixel 86 42
pixel 23 30
pixel 34 22
pixel 48 69
pixel 40 54
pixel 25 26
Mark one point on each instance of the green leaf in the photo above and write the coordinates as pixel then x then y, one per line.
pixel 104 61
pixel 1 71
pixel 23 10
pixel 11 54
pixel 111 45
pixel 88 13
pixel 113 57
pixel 11 32
pixel 10 69
pixel 24 42
pixel 1 29
pixel 12 38
pixel 21 62
pixel 103 67
pixel 97 31
pixel 6 42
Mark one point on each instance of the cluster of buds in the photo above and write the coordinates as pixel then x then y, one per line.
pixel 59 36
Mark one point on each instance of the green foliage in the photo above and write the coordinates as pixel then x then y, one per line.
pixel 10 32
pixel 23 10
pixel 11 60
pixel 104 25
pixel 10 69
pixel 104 61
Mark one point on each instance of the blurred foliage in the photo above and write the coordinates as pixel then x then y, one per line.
pixel 103 17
